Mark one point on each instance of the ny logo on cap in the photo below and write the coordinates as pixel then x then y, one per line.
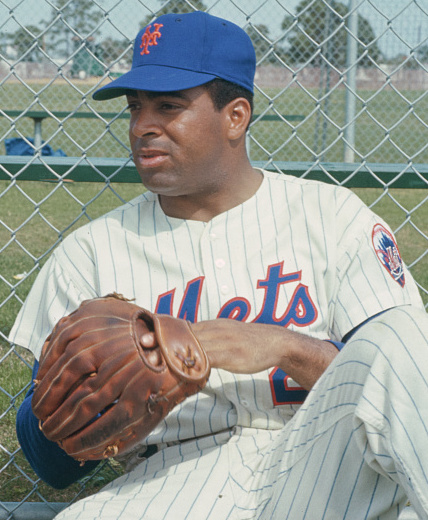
pixel 149 38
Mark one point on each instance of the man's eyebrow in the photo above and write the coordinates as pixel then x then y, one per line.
pixel 154 95
pixel 174 94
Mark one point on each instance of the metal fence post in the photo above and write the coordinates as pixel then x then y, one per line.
pixel 351 83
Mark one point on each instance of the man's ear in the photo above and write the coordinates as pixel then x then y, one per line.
pixel 238 116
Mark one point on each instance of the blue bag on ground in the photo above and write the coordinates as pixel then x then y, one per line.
pixel 19 146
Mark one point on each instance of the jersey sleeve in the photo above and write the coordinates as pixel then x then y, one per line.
pixel 371 273
pixel 58 290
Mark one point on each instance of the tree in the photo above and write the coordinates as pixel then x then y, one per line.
pixel 74 23
pixel 422 53
pixel 24 39
pixel 265 49
pixel 176 6
pixel 114 50
pixel 321 26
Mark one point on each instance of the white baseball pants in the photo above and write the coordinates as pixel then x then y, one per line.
pixel 356 449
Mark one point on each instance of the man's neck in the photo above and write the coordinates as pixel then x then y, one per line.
pixel 242 186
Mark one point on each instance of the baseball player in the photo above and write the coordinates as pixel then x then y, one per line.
pixel 313 326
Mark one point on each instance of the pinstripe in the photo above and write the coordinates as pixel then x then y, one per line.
pixel 292 232
pixel 357 479
pixel 339 466
pixel 149 503
pixel 212 514
pixel 387 392
pixel 256 395
pixel 343 204
pixel 272 463
pixel 192 245
pixel 300 482
pixel 348 211
pixel 109 245
pixel 131 269
pixel 274 189
pixel 165 273
pixel 206 483
pixel 75 273
pixel 394 371
pixel 177 494
pixel 353 290
pixel 310 236
pixel 372 496
pixel 302 452
pixel 173 240
pixel 149 279
pixel 76 243
pixel 247 244
pixel 212 271
pixel 406 430
pixel 230 414
pixel 229 242
pixel 323 310
pixel 258 219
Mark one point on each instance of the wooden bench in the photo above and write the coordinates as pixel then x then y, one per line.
pixel 38 116
pixel 102 169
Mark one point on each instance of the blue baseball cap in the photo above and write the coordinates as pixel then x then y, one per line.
pixel 181 51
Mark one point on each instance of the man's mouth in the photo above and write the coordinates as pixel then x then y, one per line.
pixel 151 158
pixel 151 154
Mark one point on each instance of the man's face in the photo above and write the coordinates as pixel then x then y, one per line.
pixel 177 141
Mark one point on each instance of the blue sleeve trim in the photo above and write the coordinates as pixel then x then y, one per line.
pixel 337 344
pixel 349 335
pixel 47 459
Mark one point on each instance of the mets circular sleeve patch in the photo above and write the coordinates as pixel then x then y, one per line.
pixel 387 252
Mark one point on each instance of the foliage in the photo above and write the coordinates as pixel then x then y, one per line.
pixel 422 53
pixel 266 49
pixel 113 50
pixel 182 6
pixel 73 23
pixel 27 42
pixel 417 57
pixel 176 6
pixel 319 25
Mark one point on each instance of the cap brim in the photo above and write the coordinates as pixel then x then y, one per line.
pixel 154 78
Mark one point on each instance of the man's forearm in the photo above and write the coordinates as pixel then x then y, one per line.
pixel 248 348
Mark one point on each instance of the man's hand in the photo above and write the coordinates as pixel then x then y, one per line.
pixel 100 390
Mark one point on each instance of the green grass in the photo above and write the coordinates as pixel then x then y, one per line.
pixel 18 204
pixel 378 137
pixel 16 476
pixel 60 206
pixel 37 215
pixel 40 213
pixel 391 127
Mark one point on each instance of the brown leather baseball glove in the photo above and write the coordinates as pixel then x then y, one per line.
pixel 99 391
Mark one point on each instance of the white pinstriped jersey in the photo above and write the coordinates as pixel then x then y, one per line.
pixel 299 254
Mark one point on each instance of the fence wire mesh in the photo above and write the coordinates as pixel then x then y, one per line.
pixel 337 81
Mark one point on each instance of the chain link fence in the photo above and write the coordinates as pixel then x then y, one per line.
pixel 337 82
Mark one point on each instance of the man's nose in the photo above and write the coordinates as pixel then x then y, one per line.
pixel 144 122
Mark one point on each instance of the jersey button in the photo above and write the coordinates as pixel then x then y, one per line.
pixel 220 263
pixel 224 289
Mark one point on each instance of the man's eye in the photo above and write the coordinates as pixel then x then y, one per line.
pixel 169 106
pixel 131 107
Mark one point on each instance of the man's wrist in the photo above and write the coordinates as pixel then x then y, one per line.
pixel 338 344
